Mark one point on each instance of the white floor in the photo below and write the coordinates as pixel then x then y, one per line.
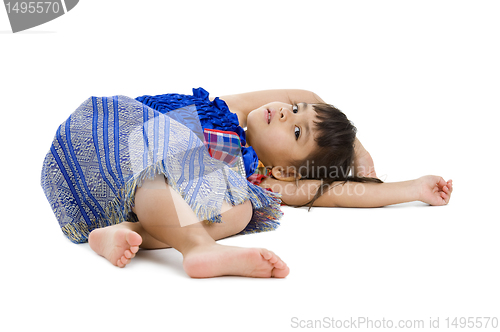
pixel 421 83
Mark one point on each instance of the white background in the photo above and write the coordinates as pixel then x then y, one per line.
pixel 419 79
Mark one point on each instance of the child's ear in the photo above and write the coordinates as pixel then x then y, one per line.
pixel 285 174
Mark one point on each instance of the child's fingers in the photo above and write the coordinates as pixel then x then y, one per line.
pixel 447 190
pixel 441 182
pixel 445 197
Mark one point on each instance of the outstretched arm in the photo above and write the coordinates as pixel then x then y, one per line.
pixel 429 189
pixel 243 103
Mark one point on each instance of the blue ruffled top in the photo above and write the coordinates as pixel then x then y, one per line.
pixel 211 114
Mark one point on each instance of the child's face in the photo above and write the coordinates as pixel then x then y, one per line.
pixel 288 135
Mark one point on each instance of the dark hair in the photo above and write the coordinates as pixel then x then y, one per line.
pixel 333 159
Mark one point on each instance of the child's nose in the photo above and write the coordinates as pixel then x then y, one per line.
pixel 284 113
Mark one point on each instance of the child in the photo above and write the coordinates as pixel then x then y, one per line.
pixel 304 147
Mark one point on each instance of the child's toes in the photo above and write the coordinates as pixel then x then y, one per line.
pixel 274 259
pixel 134 239
pixel 279 264
pixel 124 260
pixel 266 254
pixel 281 272
pixel 128 254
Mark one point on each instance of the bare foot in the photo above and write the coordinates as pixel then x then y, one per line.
pixel 219 260
pixel 118 245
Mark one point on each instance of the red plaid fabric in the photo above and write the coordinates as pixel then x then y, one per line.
pixel 226 147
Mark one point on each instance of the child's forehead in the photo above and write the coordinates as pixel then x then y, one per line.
pixel 311 125
pixel 309 108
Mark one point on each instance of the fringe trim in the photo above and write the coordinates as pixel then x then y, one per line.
pixel 77 232
pixel 266 205
pixel 267 210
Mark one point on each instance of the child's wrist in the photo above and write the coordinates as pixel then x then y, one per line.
pixel 416 191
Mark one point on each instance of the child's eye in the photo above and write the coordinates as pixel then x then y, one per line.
pixel 295 109
pixel 297 133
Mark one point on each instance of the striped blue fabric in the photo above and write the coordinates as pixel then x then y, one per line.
pixel 108 146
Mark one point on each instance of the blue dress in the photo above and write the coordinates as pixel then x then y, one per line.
pixel 210 115
pixel 110 145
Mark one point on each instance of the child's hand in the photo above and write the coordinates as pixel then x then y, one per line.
pixel 434 190
pixel 363 165
pixel 363 162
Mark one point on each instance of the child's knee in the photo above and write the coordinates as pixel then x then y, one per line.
pixel 239 216
pixel 247 211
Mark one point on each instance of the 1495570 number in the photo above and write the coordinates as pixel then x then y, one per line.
pixel 33 7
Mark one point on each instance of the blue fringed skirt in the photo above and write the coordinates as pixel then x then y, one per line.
pixel 109 145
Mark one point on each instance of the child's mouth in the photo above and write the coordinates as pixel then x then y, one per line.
pixel 268 116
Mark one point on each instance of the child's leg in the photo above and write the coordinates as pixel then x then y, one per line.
pixel 234 220
pixel 119 243
pixel 119 247
pixel 162 212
